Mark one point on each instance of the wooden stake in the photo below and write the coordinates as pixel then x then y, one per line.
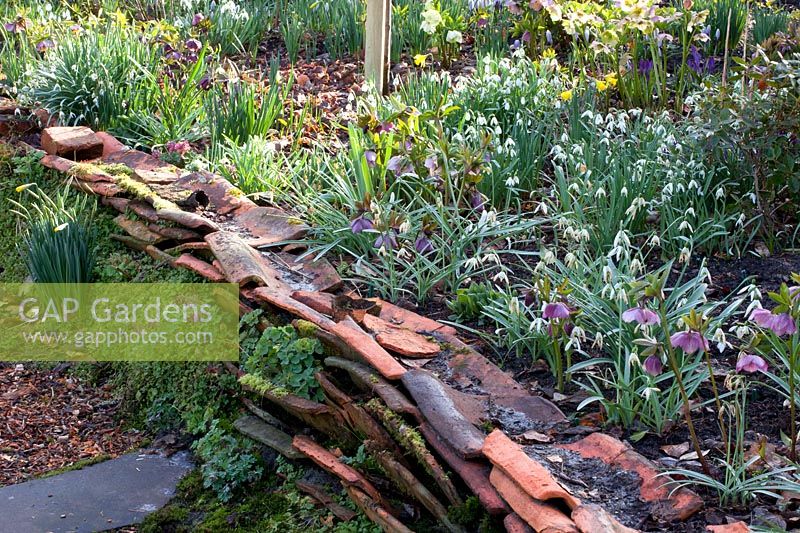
pixel 378 42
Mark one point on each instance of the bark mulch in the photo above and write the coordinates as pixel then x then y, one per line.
pixel 50 420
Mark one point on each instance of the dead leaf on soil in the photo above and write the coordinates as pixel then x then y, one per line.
pixel 676 450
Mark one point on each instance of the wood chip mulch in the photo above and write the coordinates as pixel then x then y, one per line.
pixel 50 420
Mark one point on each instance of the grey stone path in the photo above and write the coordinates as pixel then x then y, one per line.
pixel 104 496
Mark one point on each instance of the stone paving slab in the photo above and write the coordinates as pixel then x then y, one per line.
pixel 104 496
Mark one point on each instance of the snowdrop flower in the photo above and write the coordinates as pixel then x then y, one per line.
pixel 719 338
pixel 501 277
pixel 685 255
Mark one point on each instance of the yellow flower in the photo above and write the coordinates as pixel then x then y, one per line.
pixel 611 79
pixel 23 187
pixel 601 85
pixel 549 53
pixel 61 227
pixel 566 95
pixel 420 60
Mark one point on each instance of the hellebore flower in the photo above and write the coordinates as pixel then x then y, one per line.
pixel 640 315
pixel 476 201
pixel 204 83
pixel 781 324
pixel 197 19
pixel 360 223
pixel 751 364
pixel 526 37
pixel 513 7
pixel 555 310
pixel 530 297
pixel 689 341
pixel 482 22
pixel 178 147
pixel 386 240
pixel 193 45
pixel 371 157
pixel 423 244
pixel 645 67
pixel 652 365
pixel 385 127
pixel 45 45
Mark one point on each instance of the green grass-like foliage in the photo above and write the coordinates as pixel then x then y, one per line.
pixel 57 240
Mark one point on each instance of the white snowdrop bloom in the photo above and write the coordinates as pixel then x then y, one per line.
pixel 624 192
pixel 472 263
pixel 512 181
pixel 600 193
pixel 500 277
pixel 690 212
pixel 649 391
pixel 741 220
pixel 685 255
pixel 719 338
pixel 513 306
pixel 742 331
pixel 541 208
pixel 570 259
pixel 491 258
pixel 635 266
pixel 481 120
pixel 607 274
pixel 548 257
pixel 684 226
pixel 654 241
pixel 598 341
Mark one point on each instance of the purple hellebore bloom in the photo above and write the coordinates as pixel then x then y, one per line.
pixel 645 67
pixel 399 165
pixel 45 45
pixel 652 365
pixel 476 201
pixel 204 83
pixel 751 364
pixel 482 22
pixel 555 310
pixel 423 244
pixel 197 19
pixel 513 7
pixel 781 324
pixel 193 45
pixel 10 27
pixel 360 223
pixel 689 341
pixel 385 127
pixel 174 55
pixel 386 240
pixel 640 315
pixel 178 147
pixel 526 37
pixel 371 157
pixel 530 298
